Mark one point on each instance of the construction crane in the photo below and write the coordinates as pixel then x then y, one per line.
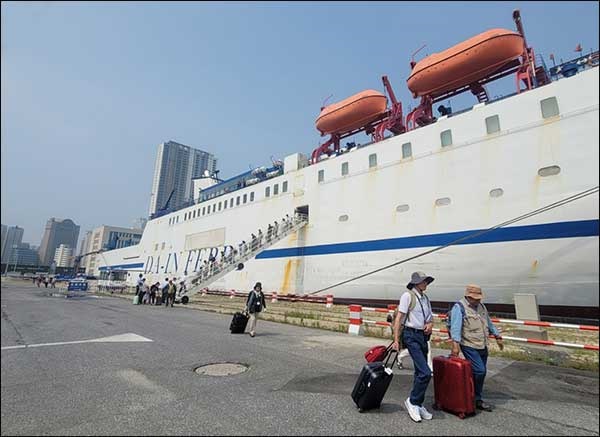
pixel 78 258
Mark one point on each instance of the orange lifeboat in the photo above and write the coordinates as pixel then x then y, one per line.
pixel 465 63
pixel 351 113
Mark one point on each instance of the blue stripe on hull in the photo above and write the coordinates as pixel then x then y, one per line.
pixel 583 228
pixel 123 266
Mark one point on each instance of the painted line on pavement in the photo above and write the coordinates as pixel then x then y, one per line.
pixel 122 338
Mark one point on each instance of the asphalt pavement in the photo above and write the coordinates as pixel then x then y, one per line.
pixel 298 381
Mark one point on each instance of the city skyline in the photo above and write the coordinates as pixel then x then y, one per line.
pixel 83 108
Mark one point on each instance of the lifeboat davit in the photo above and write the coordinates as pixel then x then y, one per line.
pixel 351 113
pixel 465 63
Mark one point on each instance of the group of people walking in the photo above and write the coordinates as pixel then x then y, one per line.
pixel 39 280
pixel 158 293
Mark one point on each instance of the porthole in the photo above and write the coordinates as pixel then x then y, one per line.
pixel 402 208
pixel 496 192
pixel 549 171
pixel 343 218
pixel 442 201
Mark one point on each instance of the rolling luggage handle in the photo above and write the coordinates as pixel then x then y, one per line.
pixel 385 364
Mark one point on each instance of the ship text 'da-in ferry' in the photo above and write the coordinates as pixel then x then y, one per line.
pixel 423 182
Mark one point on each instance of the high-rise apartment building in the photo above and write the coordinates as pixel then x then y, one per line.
pixel 57 232
pixel 63 256
pixel 12 239
pixel 176 166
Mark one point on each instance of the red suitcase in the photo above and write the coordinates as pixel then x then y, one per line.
pixel 454 389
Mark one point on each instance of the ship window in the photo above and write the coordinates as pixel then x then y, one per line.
pixel 284 187
pixel 373 160
pixel 496 192
pixel 321 175
pixel 220 206
pixel 214 207
pixel 442 201
pixel 231 203
pixel 252 196
pixel 203 210
pixel 225 205
pixel 163 246
pixel 446 137
pixel 344 169
pixel 406 150
pixel 275 189
pixel 402 208
pixel 267 191
pixel 492 124
pixel 549 107
pixel 237 201
pixel 245 199
pixel 343 218
pixel 184 216
pixel 198 214
pixel 194 214
pixel 549 171
pixel 156 247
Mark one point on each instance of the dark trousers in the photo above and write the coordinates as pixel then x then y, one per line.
pixel 416 343
pixel 171 299
pixel 478 359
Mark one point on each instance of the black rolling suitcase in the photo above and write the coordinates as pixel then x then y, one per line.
pixel 238 323
pixel 372 384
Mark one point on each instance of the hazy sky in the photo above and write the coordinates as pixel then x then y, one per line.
pixel 90 89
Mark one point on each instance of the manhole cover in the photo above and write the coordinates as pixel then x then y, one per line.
pixel 221 369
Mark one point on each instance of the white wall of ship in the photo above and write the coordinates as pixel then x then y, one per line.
pixel 478 180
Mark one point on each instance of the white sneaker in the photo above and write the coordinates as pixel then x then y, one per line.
pixel 425 414
pixel 413 410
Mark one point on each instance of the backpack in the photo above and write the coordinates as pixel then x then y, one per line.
pixel 449 314
pixel 411 306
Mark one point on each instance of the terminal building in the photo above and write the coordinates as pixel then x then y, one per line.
pixel 106 238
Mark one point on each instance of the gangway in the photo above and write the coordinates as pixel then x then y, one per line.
pixel 216 270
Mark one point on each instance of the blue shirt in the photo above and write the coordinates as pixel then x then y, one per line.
pixel 456 323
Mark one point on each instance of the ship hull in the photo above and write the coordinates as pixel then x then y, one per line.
pixel 379 215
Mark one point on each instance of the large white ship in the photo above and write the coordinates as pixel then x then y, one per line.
pixel 429 184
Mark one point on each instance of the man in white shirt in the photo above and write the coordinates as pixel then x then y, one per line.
pixel 415 323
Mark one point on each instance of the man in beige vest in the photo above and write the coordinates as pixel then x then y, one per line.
pixel 470 326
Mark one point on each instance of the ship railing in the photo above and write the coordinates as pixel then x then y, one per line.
pixel 217 269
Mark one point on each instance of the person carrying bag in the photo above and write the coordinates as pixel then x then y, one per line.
pixel 255 304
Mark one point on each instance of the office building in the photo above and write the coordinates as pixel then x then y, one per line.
pixel 12 239
pixel 106 238
pixel 24 255
pixel 57 232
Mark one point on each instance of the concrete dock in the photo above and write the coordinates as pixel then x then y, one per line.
pixel 138 378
